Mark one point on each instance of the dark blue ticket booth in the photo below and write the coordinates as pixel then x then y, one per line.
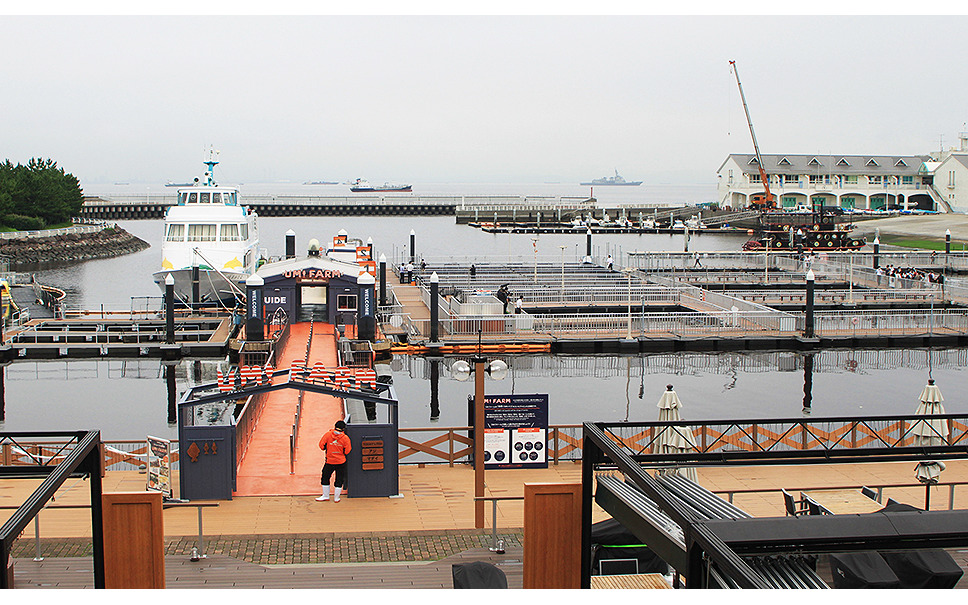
pixel 312 288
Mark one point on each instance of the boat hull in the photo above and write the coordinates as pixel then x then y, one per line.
pixel 213 287
pixel 379 189
pixel 625 184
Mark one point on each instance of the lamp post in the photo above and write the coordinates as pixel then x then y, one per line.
pixel 628 272
pixel 562 271
pixel 461 371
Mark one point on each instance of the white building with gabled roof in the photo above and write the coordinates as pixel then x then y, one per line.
pixel 852 182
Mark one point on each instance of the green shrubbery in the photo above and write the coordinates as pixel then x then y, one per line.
pixel 37 195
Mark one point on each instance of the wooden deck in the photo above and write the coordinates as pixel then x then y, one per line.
pixel 435 499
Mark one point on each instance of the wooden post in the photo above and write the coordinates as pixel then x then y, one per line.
pixel 134 540
pixel 552 535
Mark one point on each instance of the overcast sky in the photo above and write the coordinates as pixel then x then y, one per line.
pixel 470 98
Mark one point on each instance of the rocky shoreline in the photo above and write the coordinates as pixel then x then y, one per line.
pixel 72 247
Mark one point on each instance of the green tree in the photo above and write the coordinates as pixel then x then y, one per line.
pixel 39 189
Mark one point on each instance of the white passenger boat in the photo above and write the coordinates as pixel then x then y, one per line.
pixel 209 229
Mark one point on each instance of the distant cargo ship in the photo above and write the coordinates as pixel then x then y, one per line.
pixel 614 180
pixel 362 186
pixel 320 183
pixel 173 184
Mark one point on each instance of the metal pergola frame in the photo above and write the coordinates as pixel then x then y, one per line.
pixel 723 543
pixel 83 460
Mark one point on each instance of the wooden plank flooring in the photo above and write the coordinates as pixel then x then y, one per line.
pixel 221 572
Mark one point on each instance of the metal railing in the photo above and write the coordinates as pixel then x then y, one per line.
pixel 879 487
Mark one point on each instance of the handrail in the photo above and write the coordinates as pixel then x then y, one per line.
pixel 496 546
pixel 880 487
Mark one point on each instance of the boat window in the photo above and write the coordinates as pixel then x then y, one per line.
pixel 230 198
pixel 229 233
pixel 201 233
pixel 205 198
pixel 244 230
pixel 176 233
pixel 182 197
pixel 216 198
pixel 192 197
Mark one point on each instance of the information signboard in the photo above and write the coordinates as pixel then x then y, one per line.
pixel 159 465
pixel 516 431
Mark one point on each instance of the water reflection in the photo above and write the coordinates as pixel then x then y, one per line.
pixel 129 399
pixel 807 383
pixel 435 389
pixel 776 384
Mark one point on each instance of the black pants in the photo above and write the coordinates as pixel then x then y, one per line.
pixel 329 469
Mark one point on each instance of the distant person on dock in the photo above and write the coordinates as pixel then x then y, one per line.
pixel 609 263
pixel 473 270
pixel 519 305
pixel 698 264
pixel 336 445
pixel 409 270
pixel 504 295
pixel 423 265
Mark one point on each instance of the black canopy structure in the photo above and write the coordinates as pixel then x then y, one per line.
pixel 712 545
pixel 78 455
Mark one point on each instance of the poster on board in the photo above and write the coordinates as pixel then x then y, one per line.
pixel 159 466
pixel 516 431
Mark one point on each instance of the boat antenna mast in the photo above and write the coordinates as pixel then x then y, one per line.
pixel 211 163
pixel 765 200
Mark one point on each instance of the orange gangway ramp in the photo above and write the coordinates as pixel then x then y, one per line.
pixel 265 470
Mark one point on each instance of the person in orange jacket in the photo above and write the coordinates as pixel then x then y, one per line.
pixel 336 445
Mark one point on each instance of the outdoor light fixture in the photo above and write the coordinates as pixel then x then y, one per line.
pixel 461 370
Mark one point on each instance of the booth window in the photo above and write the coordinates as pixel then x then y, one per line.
pixel 346 302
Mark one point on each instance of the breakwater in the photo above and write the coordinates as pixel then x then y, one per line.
pixel 107 242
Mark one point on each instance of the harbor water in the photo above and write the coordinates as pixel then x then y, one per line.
pixel 128 399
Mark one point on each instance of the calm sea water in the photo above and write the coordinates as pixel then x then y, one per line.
pixel 128 399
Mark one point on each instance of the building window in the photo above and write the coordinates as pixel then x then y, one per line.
pixel 729 177
pixel 847 202
pixel 755 178
pixel 874 179
pixel 819 179
pixel 850 180
pixel 346 302
pixel 951 178
pixel 789 201
pixel 907 180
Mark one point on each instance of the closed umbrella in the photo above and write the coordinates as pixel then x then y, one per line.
pixel 674 439
pixel 929 432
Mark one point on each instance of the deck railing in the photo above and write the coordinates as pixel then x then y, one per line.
pixel 454 445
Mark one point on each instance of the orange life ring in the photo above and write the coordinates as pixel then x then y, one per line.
pixel 852 365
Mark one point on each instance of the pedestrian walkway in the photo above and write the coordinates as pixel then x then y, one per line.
pixel 265 470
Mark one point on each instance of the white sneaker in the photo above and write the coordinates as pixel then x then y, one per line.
pixel 336 499
pixel 323 499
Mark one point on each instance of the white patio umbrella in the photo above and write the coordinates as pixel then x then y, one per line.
pixel 928 433
pixel 674 439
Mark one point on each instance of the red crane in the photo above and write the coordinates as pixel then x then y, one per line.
pixel 766 200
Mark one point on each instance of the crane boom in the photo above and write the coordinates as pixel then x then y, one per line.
pixel 766 200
